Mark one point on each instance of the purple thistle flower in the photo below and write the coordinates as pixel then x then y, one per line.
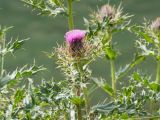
pixel 75 36
pixel 74 39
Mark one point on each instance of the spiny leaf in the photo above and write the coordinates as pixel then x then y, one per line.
pixel 13 46
pixel 139 31
pixel 77 100
pixel 127 68
pixel 19 95
pixel 155 86
pixel 47 7
pixel 4 30
pixel 107 88
pixel 19 74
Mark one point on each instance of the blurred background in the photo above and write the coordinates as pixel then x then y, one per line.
pixel 45 32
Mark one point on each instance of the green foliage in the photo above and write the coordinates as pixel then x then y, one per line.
pixel 47 7
pixel 70 99
pixel 123 71
pixel 10 47
pixel 130 102
pixel 105 86
pixel 10 91
pixel 19 74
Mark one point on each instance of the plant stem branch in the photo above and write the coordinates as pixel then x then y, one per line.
pixel 79 89
pixel 70 15
pixel 113 77
pixel 83 88
pixel 2 56
pixel 158 72
pixel 79 112
pixel 85 92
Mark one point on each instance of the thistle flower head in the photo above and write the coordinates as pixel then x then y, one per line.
pixel 107 11
pixel 74 36
pixel 156 24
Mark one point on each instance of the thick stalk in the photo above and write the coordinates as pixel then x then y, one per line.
pixel 70 15
pixel 158 67
pixel 71 26
pixel 2 56
pixel 87 105
pixel 113 77
pixel 72 106
pixel 85 92
pixel 79 112
pixel 158 72
pixel 84 88
pixel 78 89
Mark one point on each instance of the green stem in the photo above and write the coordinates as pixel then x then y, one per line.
pixel 158 72
pixel 70 15
pixel 79 89
pixel 113 77
pixel 85 92
pixel 84 89
pixel 2 56
pixel 79 112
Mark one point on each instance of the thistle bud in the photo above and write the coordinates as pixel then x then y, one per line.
pixel 156 24
pixel 74 39
pixel 107 11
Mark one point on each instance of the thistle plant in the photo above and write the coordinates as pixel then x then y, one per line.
pixel 12 97
pixel 71 98
pixel 73 59
pixel 81 47
pixel 109 21
pixel 149 43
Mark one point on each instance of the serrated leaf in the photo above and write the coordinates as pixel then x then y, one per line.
pixel 138 30
pixel 107 88
pixel 105 108
pixel 5 80
pixel 17 44
pixel 86 22
pixel 146 37
pixel 137 77
pixel 77 100
pixel 155 86
pixel 47 7
pixel 18 74
pixel 127 68
pixel 4 30
pixel 19 95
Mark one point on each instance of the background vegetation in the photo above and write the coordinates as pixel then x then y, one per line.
pixel 46 32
